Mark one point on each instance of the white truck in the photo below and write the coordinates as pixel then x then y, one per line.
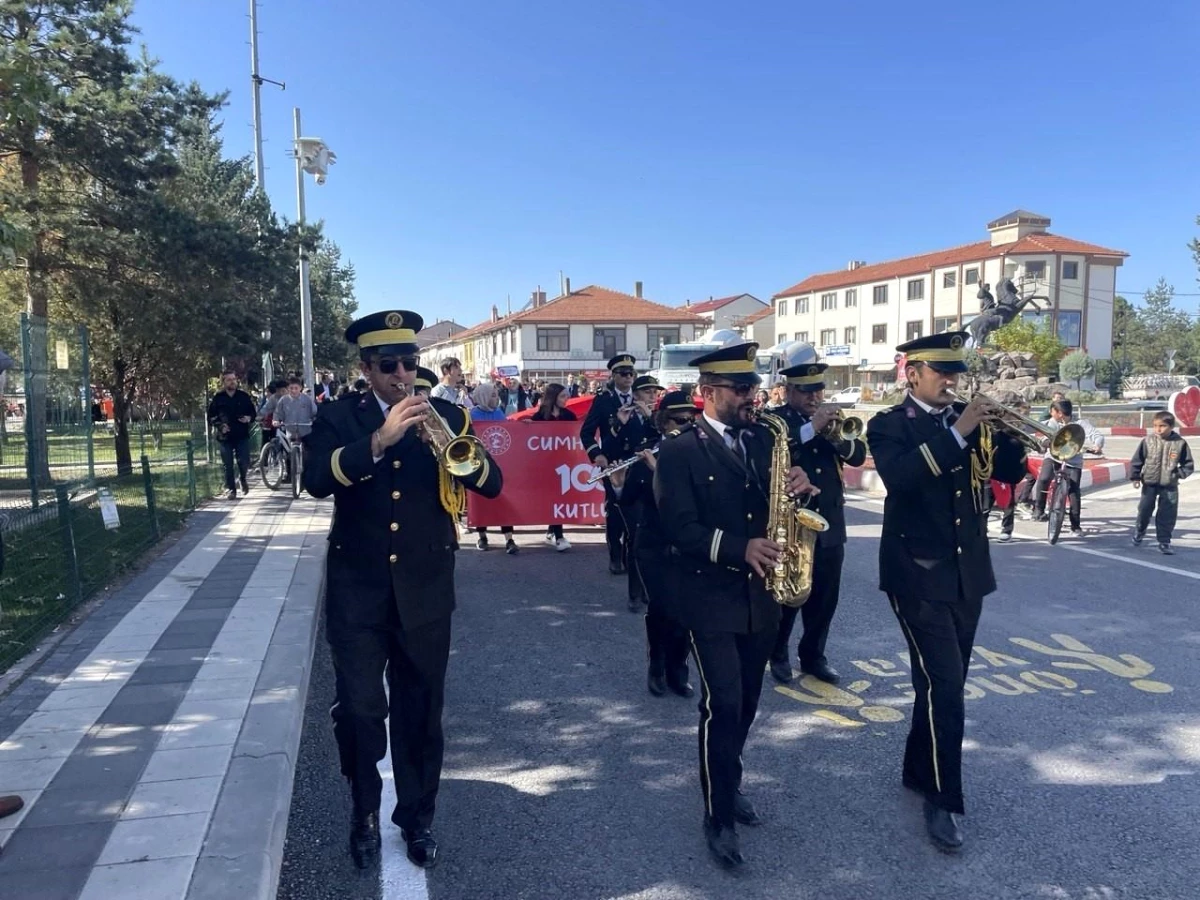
pixel 669 362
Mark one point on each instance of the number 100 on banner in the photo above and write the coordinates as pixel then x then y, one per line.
pixel 545 476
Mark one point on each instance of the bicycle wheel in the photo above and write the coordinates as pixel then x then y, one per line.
pixel 1058 507
pixel 297 467
pixel 270 464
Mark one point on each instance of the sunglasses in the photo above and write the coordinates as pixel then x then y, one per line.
pixel 740 390
pixel 388 364
pixel 623 371
pixel 681 420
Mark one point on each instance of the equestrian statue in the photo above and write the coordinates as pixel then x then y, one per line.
pixel 995 313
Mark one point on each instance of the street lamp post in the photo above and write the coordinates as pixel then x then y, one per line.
pixel 313 157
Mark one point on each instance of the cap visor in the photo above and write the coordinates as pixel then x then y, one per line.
pixel 392 350
pixel 949 368
pixel 744 378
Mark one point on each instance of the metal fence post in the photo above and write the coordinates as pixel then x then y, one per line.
pixel 89 423
pixel 30 444
pixel 150 507
pixel 67 534
pixel 191 473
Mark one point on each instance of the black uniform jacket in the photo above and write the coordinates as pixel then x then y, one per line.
pixel 595 428
pixel 637 500
pixel 622 441
pixel 390 531
pixel 934 540
pixel 822 460
pixel 710 505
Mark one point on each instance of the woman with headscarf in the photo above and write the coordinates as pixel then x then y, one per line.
pixel 486 408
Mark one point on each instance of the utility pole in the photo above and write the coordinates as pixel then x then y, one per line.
pixel 305 295
pixel 256 83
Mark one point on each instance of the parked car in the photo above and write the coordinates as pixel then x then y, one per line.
pixel 849 396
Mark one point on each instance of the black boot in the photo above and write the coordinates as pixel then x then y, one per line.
pixel 724 844
pixel 364 839
pixel 675 641
pixel 656 673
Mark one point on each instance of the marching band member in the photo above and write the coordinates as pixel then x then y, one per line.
pixel 389 578
pixel 822 454
pixel 650 560
pixel 631 429
pixel 712 489
pixel 617 394
pixel 934 563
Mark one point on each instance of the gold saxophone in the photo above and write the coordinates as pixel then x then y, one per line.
pixel 792 526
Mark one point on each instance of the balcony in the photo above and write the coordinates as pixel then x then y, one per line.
pixel 574 355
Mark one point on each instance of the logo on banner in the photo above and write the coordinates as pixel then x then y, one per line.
pixel 496 439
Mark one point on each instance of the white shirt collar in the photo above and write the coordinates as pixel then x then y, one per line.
pixel 383 405
pixel 720 428
pixel 925 406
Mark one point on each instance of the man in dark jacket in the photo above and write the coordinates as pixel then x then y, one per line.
pixel 390 578
pixel 822 453
pixel 230 412
pixel 935 457
pixel 712 487
pixel 595 430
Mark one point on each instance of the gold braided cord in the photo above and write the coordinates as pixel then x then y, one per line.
pixel 452 494
pixel 982 465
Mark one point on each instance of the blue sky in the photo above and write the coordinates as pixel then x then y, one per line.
pixel 705 147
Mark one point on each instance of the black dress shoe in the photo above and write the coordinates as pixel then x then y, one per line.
pixel 821 671
pixel 678 684
pixel 744 811
pixel 616 568
pixel 781 671
pixel 422 848
pixel 943 828
pixel 364 840
pixel 724 844
pixel 635 604
pixel 656 683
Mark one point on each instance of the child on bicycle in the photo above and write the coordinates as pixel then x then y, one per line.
pixel 1061 412
pixel 294 412
pixel 1160 462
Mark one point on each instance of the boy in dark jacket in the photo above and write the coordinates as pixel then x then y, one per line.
pixel 1160 461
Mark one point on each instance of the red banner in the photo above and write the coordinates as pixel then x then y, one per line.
pixel 545 474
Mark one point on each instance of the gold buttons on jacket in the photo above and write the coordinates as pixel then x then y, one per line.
pixel 749 516
pixel 958 493
pixel 392 558
pixel 960 551
pixel 818 471
pixel 395 495
pixel 395 463
pixel 958 521
pixel 394 526
pixel 711 478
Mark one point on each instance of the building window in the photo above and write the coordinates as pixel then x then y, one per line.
pixel 850 335
pixel 879 295
pixel 949 279
pixel 914 330
pixel 504 342
pixel 554 339
pixel 852 297
pixel 828 301
pixel 1070 271
pixel 802 306
pixel 609 341
pixel 972 275
pixel 1035 269
pixel 494 345
pixel 1069 324
pixel 916 289
pixel 802 336
pixel 781 308
pixel 878 334
pixel 656 337
pixel 828 336
pixel 944 324
pixel 781 338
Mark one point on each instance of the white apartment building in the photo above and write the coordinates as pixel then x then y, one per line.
pixel 575 334
pixel 857 316
pixel 725 312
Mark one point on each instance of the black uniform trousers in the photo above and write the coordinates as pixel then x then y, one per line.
pixel 638 591
pixel 731 668
pixel 414 663
pixel 940 637
pixel 616 531
pixel 1167 498
pixel 666 639
pixel 817 611
pixel 1045 475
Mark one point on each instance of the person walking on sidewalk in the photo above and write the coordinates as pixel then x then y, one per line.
pixel 1160 462
pixel 230 412
pixel 389 590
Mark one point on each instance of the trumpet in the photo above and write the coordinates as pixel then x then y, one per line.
pixel 1062 443
pixel 843 428
pixel 460 455
pixel 614 468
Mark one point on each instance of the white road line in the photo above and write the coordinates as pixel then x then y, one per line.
pixel 1133 562
pixel 399 879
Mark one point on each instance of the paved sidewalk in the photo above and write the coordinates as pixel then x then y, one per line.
pixel 155 746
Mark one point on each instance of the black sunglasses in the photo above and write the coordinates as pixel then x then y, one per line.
pixel 741 390
pixel 623 371
pixel 681 420
pixel 388 364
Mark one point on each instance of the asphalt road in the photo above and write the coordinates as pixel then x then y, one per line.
pixel 565 779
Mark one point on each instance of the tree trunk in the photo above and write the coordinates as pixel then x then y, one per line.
pixel 121 404
pixel 37 305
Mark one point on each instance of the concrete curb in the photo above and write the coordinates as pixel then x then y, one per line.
pixel 867 479
pixel 243 851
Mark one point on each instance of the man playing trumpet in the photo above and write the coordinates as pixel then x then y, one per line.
pixel 818 446
pixel 935 457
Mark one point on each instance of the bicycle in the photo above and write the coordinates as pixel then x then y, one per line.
pixel 1056 501
pixel 281 454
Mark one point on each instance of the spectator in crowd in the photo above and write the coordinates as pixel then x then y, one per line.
pixel 230 412
pixel 450 387
pixel 572 387
pixel 486 408
pixel 326 388
pixel 295 412
pixel 514 397
pixel 553 408
pixel 266 411
pixel 360 385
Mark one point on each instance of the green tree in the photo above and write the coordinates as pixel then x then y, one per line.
pixel 1038 339
pixel 1076 366
pixel 1162 327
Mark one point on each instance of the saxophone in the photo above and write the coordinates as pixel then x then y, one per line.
pixel 792 526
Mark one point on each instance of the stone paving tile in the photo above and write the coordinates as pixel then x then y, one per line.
pixel 158 837
pixel 34 885
pixel 26 775
pixel 192 710
pixel 153 879
pixel 48 745
pixel 190 762
pixel 185 735
pixel 96 697
pixel 80 772
pixel 222 688
pixel 58 847
pixel 171 798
